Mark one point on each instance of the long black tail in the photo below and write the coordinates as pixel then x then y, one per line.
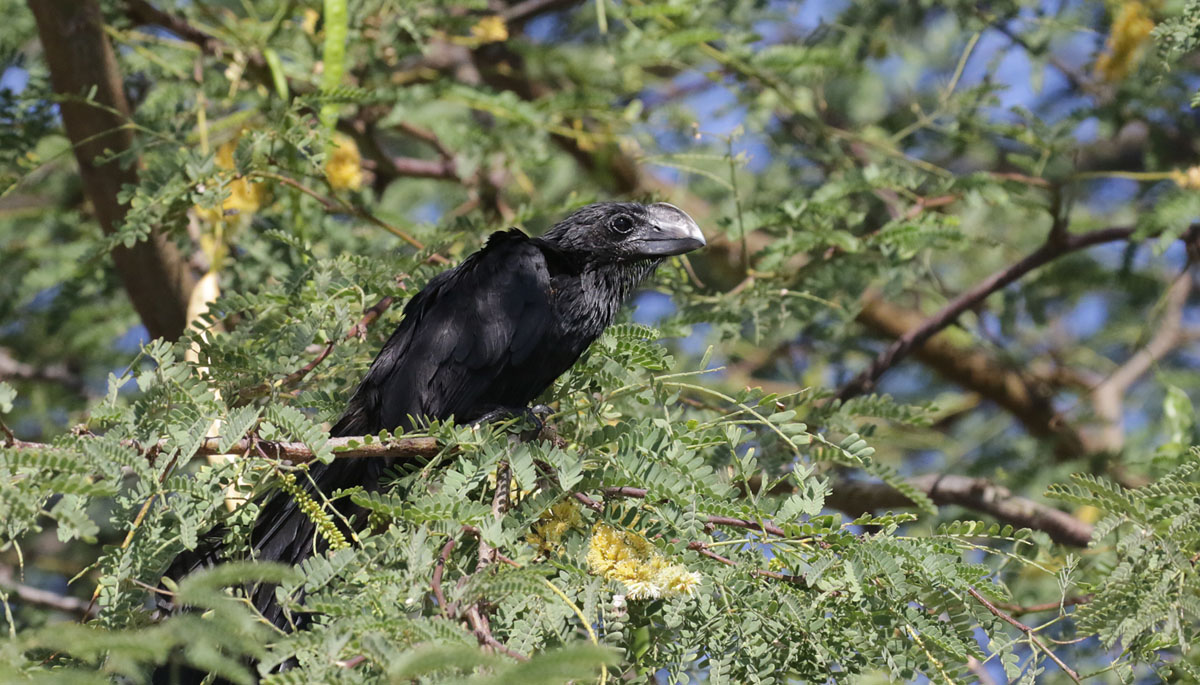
pixel 283 532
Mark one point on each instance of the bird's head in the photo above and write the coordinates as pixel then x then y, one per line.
pixel 622 232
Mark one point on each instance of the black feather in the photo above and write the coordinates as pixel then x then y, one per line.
pixel 491 334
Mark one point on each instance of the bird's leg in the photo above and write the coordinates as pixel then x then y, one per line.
pixel 536 416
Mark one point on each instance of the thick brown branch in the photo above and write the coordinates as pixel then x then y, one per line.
pixel 1048 252
pixel 851 496
pixel 294 452
pixel 81 61
pixel 857 497
pixel 297 452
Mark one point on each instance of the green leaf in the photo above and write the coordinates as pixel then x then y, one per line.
pixel 7 395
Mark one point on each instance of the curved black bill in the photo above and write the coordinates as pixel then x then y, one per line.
pixel 670 232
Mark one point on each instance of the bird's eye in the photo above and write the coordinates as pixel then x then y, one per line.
pixel 621 223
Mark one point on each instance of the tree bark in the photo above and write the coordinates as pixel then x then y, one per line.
pixel 80 59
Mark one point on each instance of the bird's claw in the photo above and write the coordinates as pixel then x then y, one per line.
pixel 535 416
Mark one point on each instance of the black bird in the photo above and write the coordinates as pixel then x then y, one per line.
pixel 480 341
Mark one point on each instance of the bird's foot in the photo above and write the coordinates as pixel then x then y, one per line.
pixel 531 421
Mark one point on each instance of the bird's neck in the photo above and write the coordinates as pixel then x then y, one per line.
pixel 588 300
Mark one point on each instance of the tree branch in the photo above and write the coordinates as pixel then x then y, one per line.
pixel 521 12
pixel 1019 610
pixel 438 570
pixel 1028 397
pixel 856 497
pixel 143 12
pixel 294 452
pixel 44 598
pixel 1029 632
pixel 356 331
pixel 1108 396
pixel 1048 252
pixel 415 167
pixel 60 373
pixel 81 61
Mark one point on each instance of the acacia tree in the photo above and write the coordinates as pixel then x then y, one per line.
pixel 921 409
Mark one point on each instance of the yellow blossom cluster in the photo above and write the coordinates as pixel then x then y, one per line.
pixel 343 164
pixel 245 198
pixel 1130 29
pixel 1188 179
pixel 642 569
pixel 547 534
pixel 490 29
pixel 309 22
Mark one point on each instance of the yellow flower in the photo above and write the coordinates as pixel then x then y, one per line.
pixel 678 580
pixel 1188 179
pixel 633 561
pixel 343 166
pixel 309 23
pixel 548 532
pixel 245 198
pixel 1130 29
pixel 490 29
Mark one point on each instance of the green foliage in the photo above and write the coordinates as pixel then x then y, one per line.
pixel 1149 598
pixel 894 153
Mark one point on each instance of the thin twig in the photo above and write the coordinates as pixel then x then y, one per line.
pixel 415 167
pixel 1018 610
pixel 427 136
pixel 336 205
pixel 352 661
pixel 10 440
pixel 787 578
pixel 1029 632
pixel 524 11
pixel 483 633
pixel 356 331
pixel 639 493
pixel 487 553
pixel 703 549
pixel 764 527
pixel 440 569
pixel 60 373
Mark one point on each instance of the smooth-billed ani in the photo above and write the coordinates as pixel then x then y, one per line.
pixel 480 340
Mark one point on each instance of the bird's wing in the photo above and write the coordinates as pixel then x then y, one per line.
pixel 459 334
